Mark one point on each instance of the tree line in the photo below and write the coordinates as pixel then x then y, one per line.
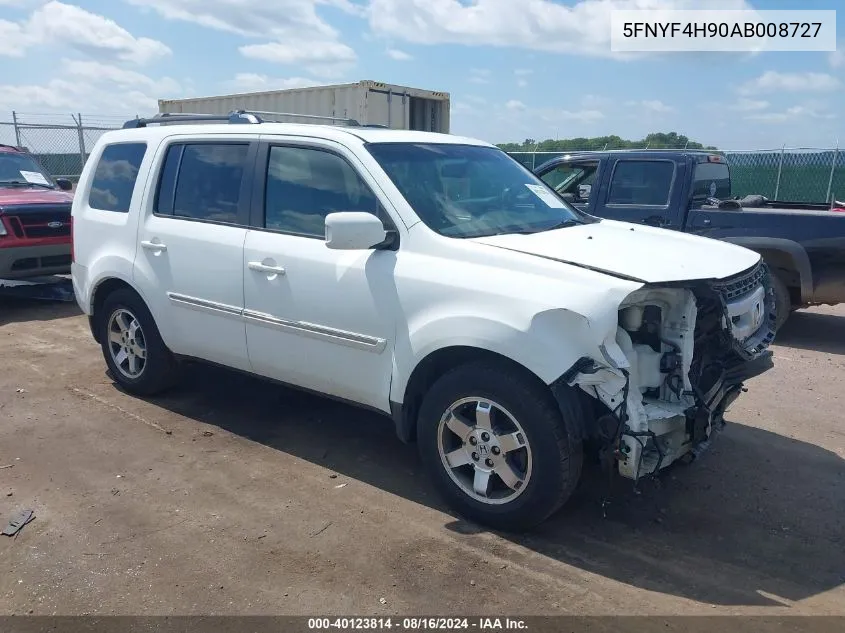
pixel 655 140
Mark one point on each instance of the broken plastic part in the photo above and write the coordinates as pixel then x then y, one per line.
pixel 18 521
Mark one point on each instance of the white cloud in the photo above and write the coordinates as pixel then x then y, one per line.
pixel 521 73
pixel 400 56
pixel 654 106
pixel 300 51
pixel 749 105
pixel 657 106
pixel 60 24
pixel 21 4
pixel 794 113
pixel 254 82
pixel 513 104
pixel 837 57
pixel 584 116
pixel 479 75
pixel 15 40
pixel 596 101
pixel 773 81
pixel 92 88
pixel 297 34
pixel 99 73
pixel 582 28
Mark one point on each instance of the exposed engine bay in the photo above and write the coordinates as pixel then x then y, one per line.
pixel 679 358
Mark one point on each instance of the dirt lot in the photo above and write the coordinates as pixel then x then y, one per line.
pixel 232 496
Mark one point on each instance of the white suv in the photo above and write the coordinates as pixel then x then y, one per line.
pixel 429 277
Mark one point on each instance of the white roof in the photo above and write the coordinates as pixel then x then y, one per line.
pixel 343 134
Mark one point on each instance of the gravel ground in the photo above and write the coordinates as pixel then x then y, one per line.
pixel 231 496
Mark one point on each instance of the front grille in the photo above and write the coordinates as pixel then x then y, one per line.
pixel 741 285
pixel 39 221
pixel 39 224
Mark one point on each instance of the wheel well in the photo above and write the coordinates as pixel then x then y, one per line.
pixel 783 265
pixel 103 290
pixel 430 368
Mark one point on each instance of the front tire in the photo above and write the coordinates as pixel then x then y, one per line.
pixel 134 351
pixel 783 301
pixel 497 446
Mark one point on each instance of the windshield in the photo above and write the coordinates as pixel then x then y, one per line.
pixel 471 191
pixel 18 168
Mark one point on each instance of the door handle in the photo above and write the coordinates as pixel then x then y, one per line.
pixel 154 246
pixel 264 268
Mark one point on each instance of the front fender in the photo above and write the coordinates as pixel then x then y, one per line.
pixel 547 343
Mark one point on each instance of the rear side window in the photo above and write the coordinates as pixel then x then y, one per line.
pixel 711 180
pixel 115 176
pixel 641 182
pixel 202 181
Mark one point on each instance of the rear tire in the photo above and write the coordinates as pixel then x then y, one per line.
pixel 491 428
pixel 783 301
pixel 135 353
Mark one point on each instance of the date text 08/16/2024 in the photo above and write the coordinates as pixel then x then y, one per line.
pixel 416 624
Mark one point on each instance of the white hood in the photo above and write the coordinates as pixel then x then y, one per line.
pixel 639 252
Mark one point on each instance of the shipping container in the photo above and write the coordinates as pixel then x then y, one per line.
pixel 367 102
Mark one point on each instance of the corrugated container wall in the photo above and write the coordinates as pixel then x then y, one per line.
pixel 368 102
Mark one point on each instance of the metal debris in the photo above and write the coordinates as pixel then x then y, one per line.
pixel 18 521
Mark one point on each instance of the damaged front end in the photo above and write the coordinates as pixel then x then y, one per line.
pixel 679 358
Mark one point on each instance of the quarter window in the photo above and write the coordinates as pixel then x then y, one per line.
pixel 115 176
pixel 202 181
pixel 305 185
pixel 641 182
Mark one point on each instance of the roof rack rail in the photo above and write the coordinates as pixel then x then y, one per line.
pixel 167 117
pixel 262 114
pixel 234 117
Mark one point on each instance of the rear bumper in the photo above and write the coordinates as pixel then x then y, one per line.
pixel 21 261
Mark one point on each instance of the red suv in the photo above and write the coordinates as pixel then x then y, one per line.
pixel 34 217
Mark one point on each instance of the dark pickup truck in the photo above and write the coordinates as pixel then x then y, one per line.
pixel 804 245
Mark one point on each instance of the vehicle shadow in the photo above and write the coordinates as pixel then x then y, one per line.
pixel 756 521
pixel 816 331
pixel 18 310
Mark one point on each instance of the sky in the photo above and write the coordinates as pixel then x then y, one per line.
pixel 515 69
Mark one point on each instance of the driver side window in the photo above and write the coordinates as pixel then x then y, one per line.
pixel 573 181
pixel 304 185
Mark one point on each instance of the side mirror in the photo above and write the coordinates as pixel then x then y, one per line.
pixel 353 230
pixel 64 184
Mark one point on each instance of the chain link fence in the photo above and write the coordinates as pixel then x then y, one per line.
pixel 61 143
pixel 807 175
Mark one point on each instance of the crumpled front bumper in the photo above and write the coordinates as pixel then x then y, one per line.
pixel 729 347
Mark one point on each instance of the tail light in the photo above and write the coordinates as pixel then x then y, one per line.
pixel 72 254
